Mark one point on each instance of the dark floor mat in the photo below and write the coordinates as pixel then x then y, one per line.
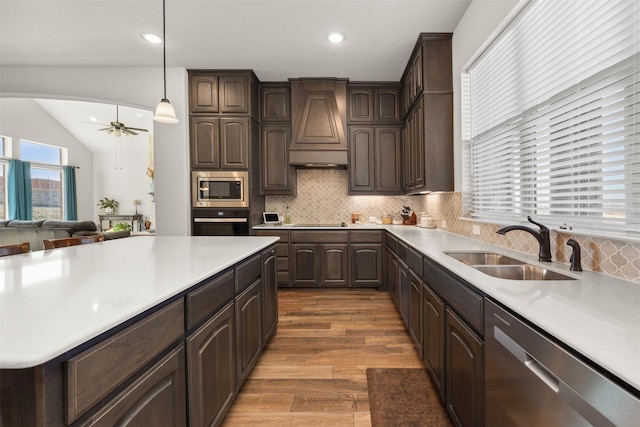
pixel 404 398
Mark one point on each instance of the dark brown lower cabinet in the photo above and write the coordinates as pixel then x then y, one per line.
pixel 157 398
pixel 433 337
pixel 464 376
pixel 305 264
pixel 248 330
pixel 430 300
pixel 334 265
pixel 211 361
pixel 366 260
pixel 392 276
pixel 269 294
pixel 403 291
pixel 415 311
pixel 320 264
pixel 282 254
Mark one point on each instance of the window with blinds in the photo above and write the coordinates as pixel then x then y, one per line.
pixel 552 117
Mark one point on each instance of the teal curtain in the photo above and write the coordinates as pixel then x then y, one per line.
pixel 70 203
pixel 19 189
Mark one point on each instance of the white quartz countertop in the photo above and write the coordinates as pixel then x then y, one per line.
pixel 596 315
pixel 52 301
pixel 336 226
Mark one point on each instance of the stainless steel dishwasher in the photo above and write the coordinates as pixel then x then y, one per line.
pixel 532 381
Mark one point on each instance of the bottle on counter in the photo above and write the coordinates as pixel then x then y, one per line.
pixel 287 216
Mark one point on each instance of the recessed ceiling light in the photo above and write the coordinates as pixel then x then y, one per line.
pixel 152 38
pixel 93 119
pixel 335 37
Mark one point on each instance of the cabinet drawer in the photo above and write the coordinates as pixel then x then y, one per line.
pixel 205 300
pixel 392 243
pixel 319 237
pixel 282 250
pixel 414 260
pixel 366 236
pixel 402 251
pixel 283 235
pixel 282 263
pixel 95 372
pixel 467 303
pixel 247 273
pixel 149 395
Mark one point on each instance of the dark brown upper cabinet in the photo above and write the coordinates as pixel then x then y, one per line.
pixel 223 92
pixel 428 116
pixel 275 102
pixel 277 176
pixel 429 69
pixel 234 93
pixel 361 100
pixel 375 160
pixel 388 104
pixel 374 102
pixel 205 142
pixel 204 93
pixel 219 142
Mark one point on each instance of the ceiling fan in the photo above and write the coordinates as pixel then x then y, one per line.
pixel 118 129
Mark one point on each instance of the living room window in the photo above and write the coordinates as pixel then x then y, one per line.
pixel 551 124
pixel 3 174
pixel 46 178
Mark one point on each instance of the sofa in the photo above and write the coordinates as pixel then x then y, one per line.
pixel 35 231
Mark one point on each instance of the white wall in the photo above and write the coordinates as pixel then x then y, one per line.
pixel 121 175
pixel 479 22
pixel 141 87
pixel 18 119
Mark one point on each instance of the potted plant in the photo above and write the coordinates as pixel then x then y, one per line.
pixel 109 205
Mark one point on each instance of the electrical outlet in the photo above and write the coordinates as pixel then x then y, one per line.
pixel 444 223
pixel 476 230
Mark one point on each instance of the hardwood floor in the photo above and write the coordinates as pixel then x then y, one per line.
pixel 313 373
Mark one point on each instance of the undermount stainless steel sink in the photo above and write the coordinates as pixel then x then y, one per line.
pixel 505 267
pixel 483 258
pixel 521 272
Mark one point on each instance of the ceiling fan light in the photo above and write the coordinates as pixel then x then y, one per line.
pixel 165 113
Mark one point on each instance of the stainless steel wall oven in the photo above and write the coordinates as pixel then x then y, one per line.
pixel 220 222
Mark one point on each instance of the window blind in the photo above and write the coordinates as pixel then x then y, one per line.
pixel 553 116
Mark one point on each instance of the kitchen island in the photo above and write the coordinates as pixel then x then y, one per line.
pixel 88 331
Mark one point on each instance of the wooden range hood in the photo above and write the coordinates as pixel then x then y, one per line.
pixel 319 108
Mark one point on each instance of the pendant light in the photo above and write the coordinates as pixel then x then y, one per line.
pixel 164 111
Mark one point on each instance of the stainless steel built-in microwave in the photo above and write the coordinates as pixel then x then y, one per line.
pixel 222 189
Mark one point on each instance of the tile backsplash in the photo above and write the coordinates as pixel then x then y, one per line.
pixel 616 258
pixel 323 199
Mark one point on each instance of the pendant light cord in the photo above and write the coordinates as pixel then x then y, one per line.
pixel 164 49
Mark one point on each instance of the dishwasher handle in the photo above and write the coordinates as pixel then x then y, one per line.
pixel 591 414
